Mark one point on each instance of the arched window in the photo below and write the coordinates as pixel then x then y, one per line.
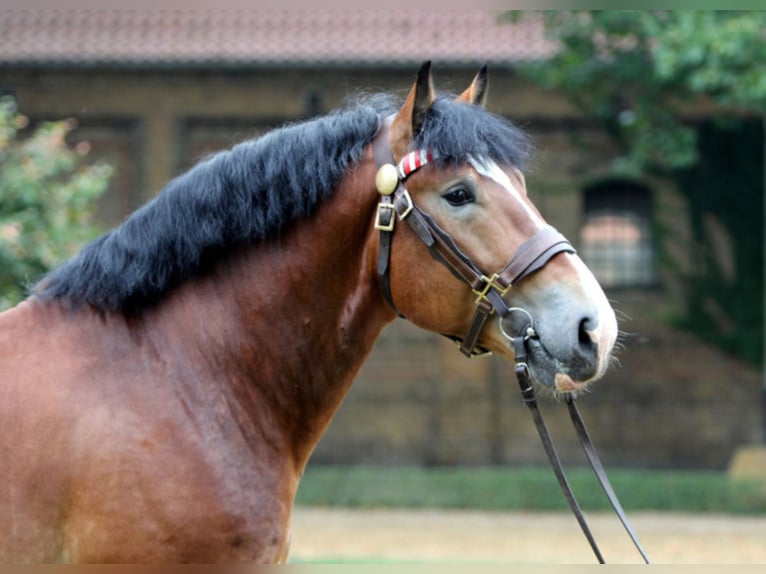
pixel 616 238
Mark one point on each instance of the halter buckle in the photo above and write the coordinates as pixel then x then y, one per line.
pixel 380 218
pixel 408 205
pixel 490 283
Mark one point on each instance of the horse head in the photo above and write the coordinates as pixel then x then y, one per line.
pixel 497 270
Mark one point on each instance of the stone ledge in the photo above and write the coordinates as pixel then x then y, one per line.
pixel 749 461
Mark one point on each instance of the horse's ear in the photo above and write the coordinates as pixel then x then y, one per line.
pixel 476 93
pixel 409 120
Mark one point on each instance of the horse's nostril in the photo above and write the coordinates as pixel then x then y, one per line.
pixel 583 335
pixel 586 361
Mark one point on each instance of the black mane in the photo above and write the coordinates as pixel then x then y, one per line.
pixel 250 193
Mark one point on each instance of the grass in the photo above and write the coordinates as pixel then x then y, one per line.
pixel 529 488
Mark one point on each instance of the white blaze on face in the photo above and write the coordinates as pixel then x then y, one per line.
pixel 489 169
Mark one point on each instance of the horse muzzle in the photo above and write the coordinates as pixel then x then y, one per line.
pixel 558 355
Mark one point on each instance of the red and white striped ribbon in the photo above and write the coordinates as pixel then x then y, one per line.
pixel 413 161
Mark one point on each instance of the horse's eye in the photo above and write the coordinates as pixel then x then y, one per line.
pixel 459 195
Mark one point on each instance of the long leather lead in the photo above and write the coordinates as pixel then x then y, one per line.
pixel 598 469
pixel 528 393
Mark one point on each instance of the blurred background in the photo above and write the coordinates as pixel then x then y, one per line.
pixel 650 131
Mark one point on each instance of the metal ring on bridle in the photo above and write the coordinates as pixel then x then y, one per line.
pixel 530 332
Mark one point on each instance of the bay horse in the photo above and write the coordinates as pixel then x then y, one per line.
pixel 162 391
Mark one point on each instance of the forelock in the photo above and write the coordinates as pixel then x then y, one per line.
pixel 454 132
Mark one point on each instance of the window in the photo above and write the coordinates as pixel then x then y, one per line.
pixel 616 239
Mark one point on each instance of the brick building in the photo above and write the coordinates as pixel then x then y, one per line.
pixel 155 91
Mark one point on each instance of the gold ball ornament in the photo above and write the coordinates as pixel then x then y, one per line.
pixel 387 179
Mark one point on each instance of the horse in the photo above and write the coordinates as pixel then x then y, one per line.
pixel 162 391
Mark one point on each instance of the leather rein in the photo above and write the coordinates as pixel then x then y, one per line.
pixel 396 203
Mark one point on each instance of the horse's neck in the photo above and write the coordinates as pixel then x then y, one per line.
pixel 288 324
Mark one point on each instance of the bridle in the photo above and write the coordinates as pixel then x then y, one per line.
pixel 490 290
pixel 395 202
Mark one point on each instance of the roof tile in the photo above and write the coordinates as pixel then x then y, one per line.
pixel 264 36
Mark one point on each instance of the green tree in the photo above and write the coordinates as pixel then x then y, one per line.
pixel 47 193
pixel 683 95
